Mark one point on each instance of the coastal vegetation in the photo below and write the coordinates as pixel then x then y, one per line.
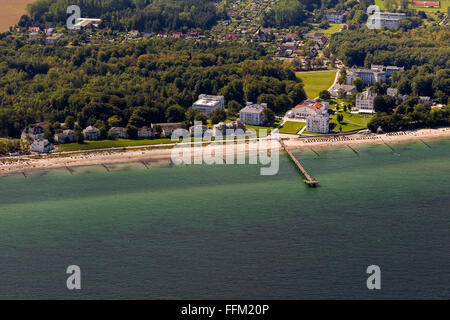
pixel 133 84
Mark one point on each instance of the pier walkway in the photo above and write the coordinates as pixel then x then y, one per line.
pixel 308 179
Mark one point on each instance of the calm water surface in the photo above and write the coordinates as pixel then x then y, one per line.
pixel 225 232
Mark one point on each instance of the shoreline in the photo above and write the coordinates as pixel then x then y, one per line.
pixel 147 154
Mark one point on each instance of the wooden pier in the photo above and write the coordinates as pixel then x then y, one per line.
pixel 308 180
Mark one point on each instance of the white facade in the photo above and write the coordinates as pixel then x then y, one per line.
pixel 253 114
pixel 318 124
pixel 385 19
pixel 207 104
pixel 41 146
pixel 310 109
pixel 364 102
pixel 91 133
pixel 118 132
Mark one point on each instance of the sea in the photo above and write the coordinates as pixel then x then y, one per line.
pixel 226 232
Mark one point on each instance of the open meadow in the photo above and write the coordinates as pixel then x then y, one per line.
pixel 11 11
pixel 316 81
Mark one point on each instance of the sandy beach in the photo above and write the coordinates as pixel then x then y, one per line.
pixel 143 154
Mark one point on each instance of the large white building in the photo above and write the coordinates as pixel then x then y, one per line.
pixel 365 102
pixel 41 146
pixel 308 109
pixel 318 123
pixel 315 114
pixel 384 19
pixel 207 104
pixel 253 114
pixel 377 73
pixel 91 133
pixel 34 133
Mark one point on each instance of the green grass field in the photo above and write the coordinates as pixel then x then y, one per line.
pixel 292 127
pixel 104 144
pixel 316 81
pixel 334 28
pixel 351 122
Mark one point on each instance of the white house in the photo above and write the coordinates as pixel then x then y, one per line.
pixel 364 102
pixel 35 133
pixel 41 146
pixel 145 132
pixel 253 114
pixel 91 133
pixel 118 132
pixel 348 89
pixel 66 136
pixel 384 19
pixel 318 123
pixel 308 109
pixel 208 103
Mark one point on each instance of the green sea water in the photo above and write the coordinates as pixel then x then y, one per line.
pixel 226 232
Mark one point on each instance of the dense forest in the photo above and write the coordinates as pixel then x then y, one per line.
pixel 133 84
pixel 144 15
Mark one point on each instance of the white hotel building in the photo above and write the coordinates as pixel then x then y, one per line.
pixel 206 104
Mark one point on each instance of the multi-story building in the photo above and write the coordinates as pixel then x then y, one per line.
pixel 166 129
pixel 67 136
pixel 118 132
pixel 318 123
pixel 41 146
pixel 253 114
pixel 336 16
pixel 223 129
pixel 35 133
pixel 365 102
pixel 145 133
pixel 308 109
pixel 376 73
pixel 91 133
pixel 384 19
pixel 208 103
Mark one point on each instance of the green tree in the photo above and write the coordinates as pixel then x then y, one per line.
pixel 325 95
pixel 69 122
pixel 175 113
pixel 217 116
pixel 359 84
pixel 269 116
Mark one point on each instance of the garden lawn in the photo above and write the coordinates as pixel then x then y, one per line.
pixel 314 82
pixel 292 127
pixel 104 144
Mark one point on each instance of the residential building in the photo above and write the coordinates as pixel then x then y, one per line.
pixel 51 40
pixel 223 129
pixel 377 73
pixel 35 133
pixel 426 100
pixel 33 36
pixel 145 133
pixel 66 136
pixel 318 123
pixel 206 104
pixel 307 109
pixel 41 146
pixel 166 129
pixel 364 102
pixel 392 92
pixel 253 114
pixel 118 132
pixel 336 16
pixel 91 133
pixel 134 33
pixel 384 19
